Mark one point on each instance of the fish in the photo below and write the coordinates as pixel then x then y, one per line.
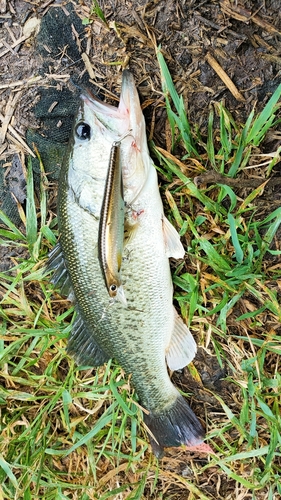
pixel 111 227
pixel 148 334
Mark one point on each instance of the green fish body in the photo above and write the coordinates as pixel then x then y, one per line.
pixel 146 333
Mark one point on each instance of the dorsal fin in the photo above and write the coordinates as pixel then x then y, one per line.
pixel 83 347
pixel 60 277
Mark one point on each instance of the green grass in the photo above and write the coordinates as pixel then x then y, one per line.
pixel 71 432
pixel 96 11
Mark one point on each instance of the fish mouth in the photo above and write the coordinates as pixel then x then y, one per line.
pixel 127 118
pixel 125 124
pixel 137 162
pixel 129 98
pixel 111 122
pixel 129 105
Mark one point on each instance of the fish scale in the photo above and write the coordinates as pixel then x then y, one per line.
pixel 142 334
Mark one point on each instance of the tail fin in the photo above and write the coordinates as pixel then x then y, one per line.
pixel 175 426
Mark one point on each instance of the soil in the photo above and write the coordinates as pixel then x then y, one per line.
pixel 244 38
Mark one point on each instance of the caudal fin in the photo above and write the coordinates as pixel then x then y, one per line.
pixel 175 426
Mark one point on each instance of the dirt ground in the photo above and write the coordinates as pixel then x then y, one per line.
pixel 216 51
pixel 199 39
pixel 242 37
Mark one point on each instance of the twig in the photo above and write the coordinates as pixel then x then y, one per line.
pixel 88 66
pixel 9 111
pixel 245 16
pixel 224 77
pixel 15 44
pixel 213 177
pixel 18 138
pixel 18 83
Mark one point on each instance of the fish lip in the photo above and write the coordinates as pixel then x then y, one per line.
pixel 127 79
pixel 129 103
pixel 115 120
pixel 126 117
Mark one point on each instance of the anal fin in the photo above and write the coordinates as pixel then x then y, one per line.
pixel 182 347
pixel 83 347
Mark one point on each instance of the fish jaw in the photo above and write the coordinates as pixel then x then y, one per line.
pixel 135 155
pixel 112 121
pixel 129 106
pixel 125 123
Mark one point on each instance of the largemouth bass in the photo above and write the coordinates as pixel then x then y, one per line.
pixel 147 333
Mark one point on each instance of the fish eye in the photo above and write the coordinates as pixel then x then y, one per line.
pixel 113 288
pixel 83 131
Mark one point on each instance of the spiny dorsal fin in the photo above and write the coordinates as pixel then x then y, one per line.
pixel 182 347
pixel 60 277
pixel 172 241
pixel 81 344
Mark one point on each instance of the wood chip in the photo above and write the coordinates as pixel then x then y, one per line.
pixel 224 77
pixel 10 32
pixel 107 92
pixel 57 78
pixel 8 47
pixel 2 149
pixel 237 12
pixel 133 32
pixel 16 138
pixel 9 111
pixel 77 39
pixel 3 6
pixel 88 66
pixel 29 81
pixel 14 44
pixel 53 105
pixel 265 25
pixel 65 10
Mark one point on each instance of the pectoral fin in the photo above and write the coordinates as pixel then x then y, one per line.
pixel 172 241
pixel 182 347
